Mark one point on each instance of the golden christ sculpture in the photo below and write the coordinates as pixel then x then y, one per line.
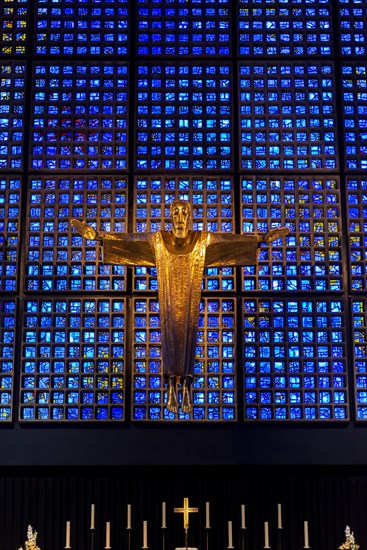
pixel 180 256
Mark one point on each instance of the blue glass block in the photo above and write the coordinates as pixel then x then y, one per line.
pixel 228 413
pixel 139 413
pixel 295 413
pixel 361 413
pixel 86 413
pixel 43 413
pixel 139 397
pixel 213 413
pixel 28 413
pixel 57 413
pixel 266 413
pixel 102 413
pixel 72 413
pixel 154 397
pixel 325 413
pixel 361 397
pixel 117 413
pixel 154 413
pixel 251 413
pixel 5 414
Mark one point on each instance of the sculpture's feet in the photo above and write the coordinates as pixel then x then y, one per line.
pixel 186 397
pixel 172 403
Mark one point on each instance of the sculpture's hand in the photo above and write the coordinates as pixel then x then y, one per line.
pixel 276 233
pixel 84 229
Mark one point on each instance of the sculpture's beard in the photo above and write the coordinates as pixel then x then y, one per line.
pixel 180 231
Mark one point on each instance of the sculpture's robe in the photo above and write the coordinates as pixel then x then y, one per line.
pixel 180 274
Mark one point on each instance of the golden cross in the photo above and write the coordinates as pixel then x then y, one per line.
pixel 186 511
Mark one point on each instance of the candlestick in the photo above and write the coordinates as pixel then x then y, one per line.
pixel 305 531
pixel 164 526
pixel 67 542
pixel 128 516
pixel 266 534
pixel 108 535
pixel 92 509
pixel 145 534
pixel 230 540
pixel 280 516
pixel 243 522
pixel 207 515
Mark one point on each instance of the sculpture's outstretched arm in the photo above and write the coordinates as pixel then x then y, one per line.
pixel 85 230
pixel 120 248
pixel 274 234
pixel 228 249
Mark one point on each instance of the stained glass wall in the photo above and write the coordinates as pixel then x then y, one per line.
pixel 255 112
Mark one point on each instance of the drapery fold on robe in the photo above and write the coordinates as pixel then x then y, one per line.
pixel 180 274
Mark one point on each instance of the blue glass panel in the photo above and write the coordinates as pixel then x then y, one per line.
pixel 7 352
pixel 12 105
pixel 58 258
pixel 184 117
pixel 295 347
pixel 82 375
pixel 287 116
pixel 14 23
pixel 310 257
pixel 200 28
pixel 289 28
pixel 9 232
pixel 359 322
pixel 81 28
pixel 354 82
pixel 79 116
pixel 353 27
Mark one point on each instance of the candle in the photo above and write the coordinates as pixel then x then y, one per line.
pixel 145 534
pixel 280 516
pixel 108 535
pixel 230 542
pixel 243 522
pixel 92 517
pixel 164 526
pixel 305 529
pixel 128 516
pixel 207 515
pixel 67 543
pixel 266 533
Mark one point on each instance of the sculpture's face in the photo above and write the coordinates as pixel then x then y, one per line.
pixel 180 219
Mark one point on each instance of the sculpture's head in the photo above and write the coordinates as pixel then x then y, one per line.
pixel 181 215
